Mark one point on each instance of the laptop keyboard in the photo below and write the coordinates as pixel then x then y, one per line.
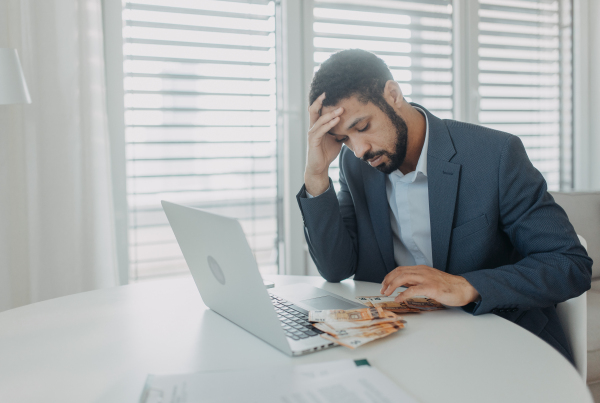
pixel 294 320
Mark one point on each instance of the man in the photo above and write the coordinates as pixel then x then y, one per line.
pixel 453 211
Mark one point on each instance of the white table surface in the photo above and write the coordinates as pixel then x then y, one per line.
pixel 99 346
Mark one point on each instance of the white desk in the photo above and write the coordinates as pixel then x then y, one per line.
pixel 99 346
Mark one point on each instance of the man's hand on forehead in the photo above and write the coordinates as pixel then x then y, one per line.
pixel 322 149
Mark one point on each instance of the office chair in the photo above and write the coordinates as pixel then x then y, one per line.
pixel 573 317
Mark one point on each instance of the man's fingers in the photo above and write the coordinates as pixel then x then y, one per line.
pixel 313 110
pixel 411 292
pixel 326 118
pixel 316 105
pixel 390 276
pixel 398 271
pixel 331 124
pixel 402 279
pixel 316 136
pixel 323 125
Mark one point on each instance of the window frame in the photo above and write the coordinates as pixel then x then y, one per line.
pixel 294 59
pixel 112 20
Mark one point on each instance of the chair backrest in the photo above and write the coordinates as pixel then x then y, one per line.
pixel 573 317
pixel 583 209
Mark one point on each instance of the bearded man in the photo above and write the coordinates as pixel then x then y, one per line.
pixel 453 211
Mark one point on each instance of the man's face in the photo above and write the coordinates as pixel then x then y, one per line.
pixel 376 136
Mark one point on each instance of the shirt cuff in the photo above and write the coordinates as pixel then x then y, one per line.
pixel 309 196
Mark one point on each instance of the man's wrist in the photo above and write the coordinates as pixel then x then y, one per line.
pixel 472 295
pixel 316 185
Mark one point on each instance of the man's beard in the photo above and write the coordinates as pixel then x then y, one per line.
pixel 396 158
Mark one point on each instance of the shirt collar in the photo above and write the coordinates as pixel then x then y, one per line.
pixel 422 163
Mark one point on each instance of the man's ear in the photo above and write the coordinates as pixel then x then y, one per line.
pixel 392 93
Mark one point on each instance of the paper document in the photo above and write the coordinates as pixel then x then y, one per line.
pixel 344 381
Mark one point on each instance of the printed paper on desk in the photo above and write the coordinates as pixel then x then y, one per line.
pixel 183 388
pixel 331 382
pixel 363 385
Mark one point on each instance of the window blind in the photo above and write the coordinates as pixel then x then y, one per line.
pixel 200 120
pixel 525 79
pixel 414 38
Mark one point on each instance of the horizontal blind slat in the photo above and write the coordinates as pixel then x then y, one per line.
pixel 188 11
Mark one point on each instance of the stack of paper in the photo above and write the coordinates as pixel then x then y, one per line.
pixel 332 382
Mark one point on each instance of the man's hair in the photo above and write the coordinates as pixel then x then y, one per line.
pixel 352 72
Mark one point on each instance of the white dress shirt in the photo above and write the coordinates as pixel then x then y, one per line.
pixel 408 200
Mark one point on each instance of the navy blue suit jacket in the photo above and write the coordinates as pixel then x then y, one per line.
pixel 492 222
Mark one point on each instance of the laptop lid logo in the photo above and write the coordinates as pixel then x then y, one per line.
pixel 216 270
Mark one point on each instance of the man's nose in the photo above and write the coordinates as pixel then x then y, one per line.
pixel 360 148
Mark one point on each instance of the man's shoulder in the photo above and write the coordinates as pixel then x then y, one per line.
pixel 481 143
pixel 469 132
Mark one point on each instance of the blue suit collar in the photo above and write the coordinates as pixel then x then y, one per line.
pixel 443 180
pixel 379 210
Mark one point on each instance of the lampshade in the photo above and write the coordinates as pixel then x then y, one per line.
pixel 13 88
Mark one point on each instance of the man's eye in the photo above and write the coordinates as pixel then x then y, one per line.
pixel 342 140
pixel 364 129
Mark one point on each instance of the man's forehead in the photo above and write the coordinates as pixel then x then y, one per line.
pixel 354 112
pixel 349 104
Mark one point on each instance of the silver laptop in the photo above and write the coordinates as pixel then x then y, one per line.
pixel 221 262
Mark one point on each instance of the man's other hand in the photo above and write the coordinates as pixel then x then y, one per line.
pixel 446 288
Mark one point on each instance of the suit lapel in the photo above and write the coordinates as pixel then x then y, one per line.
pixel 377 202
pixel 443 179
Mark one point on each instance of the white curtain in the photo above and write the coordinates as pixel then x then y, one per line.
pixel 57 233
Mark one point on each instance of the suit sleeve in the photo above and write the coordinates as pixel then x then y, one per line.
pixel 330 230
pixel 555 267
